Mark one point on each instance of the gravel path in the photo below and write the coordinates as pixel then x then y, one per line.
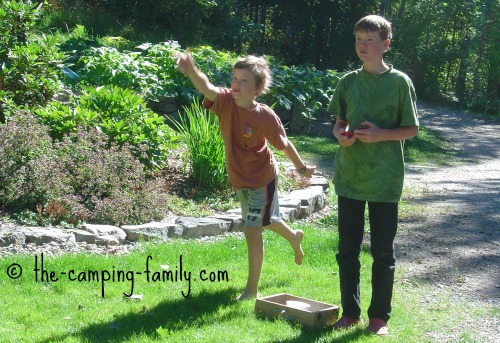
pixel 452 241
pixel 457 235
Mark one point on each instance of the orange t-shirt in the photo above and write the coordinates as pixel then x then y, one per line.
pixel 249 161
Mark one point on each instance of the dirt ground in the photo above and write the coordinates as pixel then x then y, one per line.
pixel 453 241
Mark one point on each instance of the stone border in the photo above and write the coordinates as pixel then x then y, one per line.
pixel 295 205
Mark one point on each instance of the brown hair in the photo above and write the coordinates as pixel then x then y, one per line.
pixel 374 23
pixel 259 68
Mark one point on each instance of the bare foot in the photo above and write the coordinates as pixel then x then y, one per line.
pixel 297 247
pixel 246 295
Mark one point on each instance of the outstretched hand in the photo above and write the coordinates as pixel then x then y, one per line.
pixel 185 62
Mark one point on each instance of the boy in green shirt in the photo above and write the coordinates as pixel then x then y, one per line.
pixel 375 107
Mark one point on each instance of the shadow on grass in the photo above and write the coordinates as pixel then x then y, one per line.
pixel 171 315
pixel 429 147
pixel 352 335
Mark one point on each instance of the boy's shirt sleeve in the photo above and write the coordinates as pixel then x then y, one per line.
pixel 217 106
pixel 337 105
pixel 274 131
pixel 408 99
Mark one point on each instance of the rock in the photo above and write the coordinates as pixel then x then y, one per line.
pixel 289 214
pixel 154 230
pixel 108 239
pixel 234 218
pixel 39 236
pixel 8 237
pixel 106 234
pixel 199 227
pixel 319 180
pixel 311 199
pixel 84 236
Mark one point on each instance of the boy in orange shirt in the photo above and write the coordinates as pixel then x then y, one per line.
pixel 247 126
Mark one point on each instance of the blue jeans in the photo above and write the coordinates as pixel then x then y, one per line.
pixel 383 217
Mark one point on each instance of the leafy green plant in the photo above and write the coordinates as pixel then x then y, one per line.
pixel 125 118
pixel 201 134
pixel 29 63
pixel 17 18
pixel 119 113
pixel 101 66
pixel 304 86
pixel 160 60
pixel 151 70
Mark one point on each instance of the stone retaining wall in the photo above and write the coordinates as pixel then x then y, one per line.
pixel 298 204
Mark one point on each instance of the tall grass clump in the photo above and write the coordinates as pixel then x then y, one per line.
pixel 205 147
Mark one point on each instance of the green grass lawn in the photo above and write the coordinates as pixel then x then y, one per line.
pixel 76 311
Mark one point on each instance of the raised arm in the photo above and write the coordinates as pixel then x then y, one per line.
pixel 186 65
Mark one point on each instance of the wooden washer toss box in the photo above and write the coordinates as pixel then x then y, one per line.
pixel 311 314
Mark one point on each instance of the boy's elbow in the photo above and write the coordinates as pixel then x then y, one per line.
pixel 412 131
pixel 211 93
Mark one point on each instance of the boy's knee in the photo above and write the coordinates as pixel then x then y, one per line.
pixel 253 232
pixel 348 260
pixel 386 260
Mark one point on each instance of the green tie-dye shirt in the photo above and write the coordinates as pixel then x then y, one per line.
pixel 373 171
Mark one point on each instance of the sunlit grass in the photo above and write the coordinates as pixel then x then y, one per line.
pixel 72 311
pixel 428 147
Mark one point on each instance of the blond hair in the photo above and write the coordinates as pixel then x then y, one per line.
pixel 259 68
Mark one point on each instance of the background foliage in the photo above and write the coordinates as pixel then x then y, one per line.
pixel 95 67
pixel 78 135
pixel 449 48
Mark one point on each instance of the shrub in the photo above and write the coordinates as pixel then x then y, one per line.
pixel 30 174
pixel 80 178
pixel 17 18
pixel 109 181
pixel 30 63
pixel 120 114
